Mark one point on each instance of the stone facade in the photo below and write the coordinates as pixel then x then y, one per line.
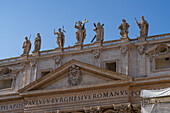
pixel 82 78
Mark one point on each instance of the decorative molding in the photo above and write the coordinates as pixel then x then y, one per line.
pixel 4 72
pixel 124 49
pixel 96 109
pixel 141 49
pixel 33 62
pixel 75 76
pixel 96 53
pixel 58 60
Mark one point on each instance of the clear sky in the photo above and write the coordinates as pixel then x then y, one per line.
pixel 20 18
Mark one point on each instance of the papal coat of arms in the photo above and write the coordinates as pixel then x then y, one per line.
pixel 75 76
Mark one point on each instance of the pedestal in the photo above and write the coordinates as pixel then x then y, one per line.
pixel 125 39
pixel 78 47
pixel 36 54
pixel 141 39
pixel 97 44
pixel 59 49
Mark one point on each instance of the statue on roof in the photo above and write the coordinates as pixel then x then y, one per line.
pixel 143 26
pixel 37 43
pixel 26 47
pixel 99 32
pixel 81 31
pixel 60 37
pixel 124 29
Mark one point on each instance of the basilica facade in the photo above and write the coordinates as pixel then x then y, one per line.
pixel 101 77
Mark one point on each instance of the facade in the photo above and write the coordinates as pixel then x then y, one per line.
pixel 102 77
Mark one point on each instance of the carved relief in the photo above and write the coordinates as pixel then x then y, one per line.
pixel 96 53
pixel 75 76
pixel 96 109
pixel 58 60
pixel 159 49
pixel 33 63
pixel 124 49
pixel 140 49
pixel 122 107
pixel 5 71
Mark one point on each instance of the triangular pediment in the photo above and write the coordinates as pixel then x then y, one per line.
pixel 158 49
pixel 75 74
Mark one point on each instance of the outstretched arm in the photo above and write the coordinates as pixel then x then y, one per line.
pixel 75 25
pixel 55 32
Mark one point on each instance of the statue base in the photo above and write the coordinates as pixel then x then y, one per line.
pixel 35 53
pixel 78 47
pixel 141 39
pixel 59 49
pixel 97 44
pixel 125 39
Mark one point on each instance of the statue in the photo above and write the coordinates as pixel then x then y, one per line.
pixel 37 43
pixel 143 26
pixel 60 38
pixel 81 32
pixel 26 46
pixel 124 29
pixel 99 32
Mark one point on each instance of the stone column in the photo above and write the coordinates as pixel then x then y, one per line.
pixel 124 59
pixel 33 73
pixel 97 57
pixel 141 61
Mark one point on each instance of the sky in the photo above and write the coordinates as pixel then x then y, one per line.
pixel 21 18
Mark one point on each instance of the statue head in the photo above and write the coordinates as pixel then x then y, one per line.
pixel 38 34
pixel 26 38
pixel 142 18
pixel 79 23
pixel 123 20
pixel 98 23
pixel 59 30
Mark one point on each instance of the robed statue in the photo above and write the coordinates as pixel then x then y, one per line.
pixel 81 32
pixel 143 26
pixel 124 29
pixel 60 38
pixel 37 43
pixel 26 47
pixel 99 32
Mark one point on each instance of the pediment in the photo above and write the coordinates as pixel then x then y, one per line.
pixel 75 74
pixel 158 49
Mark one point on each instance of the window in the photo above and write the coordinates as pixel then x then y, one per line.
pixel 7 83
pixel 111 66
pixel 44 73
pixel 162 63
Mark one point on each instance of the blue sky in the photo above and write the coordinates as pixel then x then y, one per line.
pixel 20 18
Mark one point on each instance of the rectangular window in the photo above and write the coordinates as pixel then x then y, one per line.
pixel 111 66
pixel 6 83
pixel 162 63
pixel 44 73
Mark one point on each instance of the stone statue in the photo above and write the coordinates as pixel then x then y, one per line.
pixel 60 38
pixel 37 43
pixel 99 32
pixel 26 46
pixel 124 29
pixel 81 32
pixel 143 26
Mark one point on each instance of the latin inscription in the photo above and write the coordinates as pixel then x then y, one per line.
pixel 66 99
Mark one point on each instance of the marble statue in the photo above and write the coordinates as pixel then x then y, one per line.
pixel 60 38
pixel 26 47
pixel 37 43
pixel 124 29
pixel 99 32
pixel 81 32
pixel 143 26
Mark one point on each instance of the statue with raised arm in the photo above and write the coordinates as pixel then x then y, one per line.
pixel 60 38
pixel 143 26
pixel 81 32
pixel 26 47
pixel 37 43
pixel 99 32
pixel 124 29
